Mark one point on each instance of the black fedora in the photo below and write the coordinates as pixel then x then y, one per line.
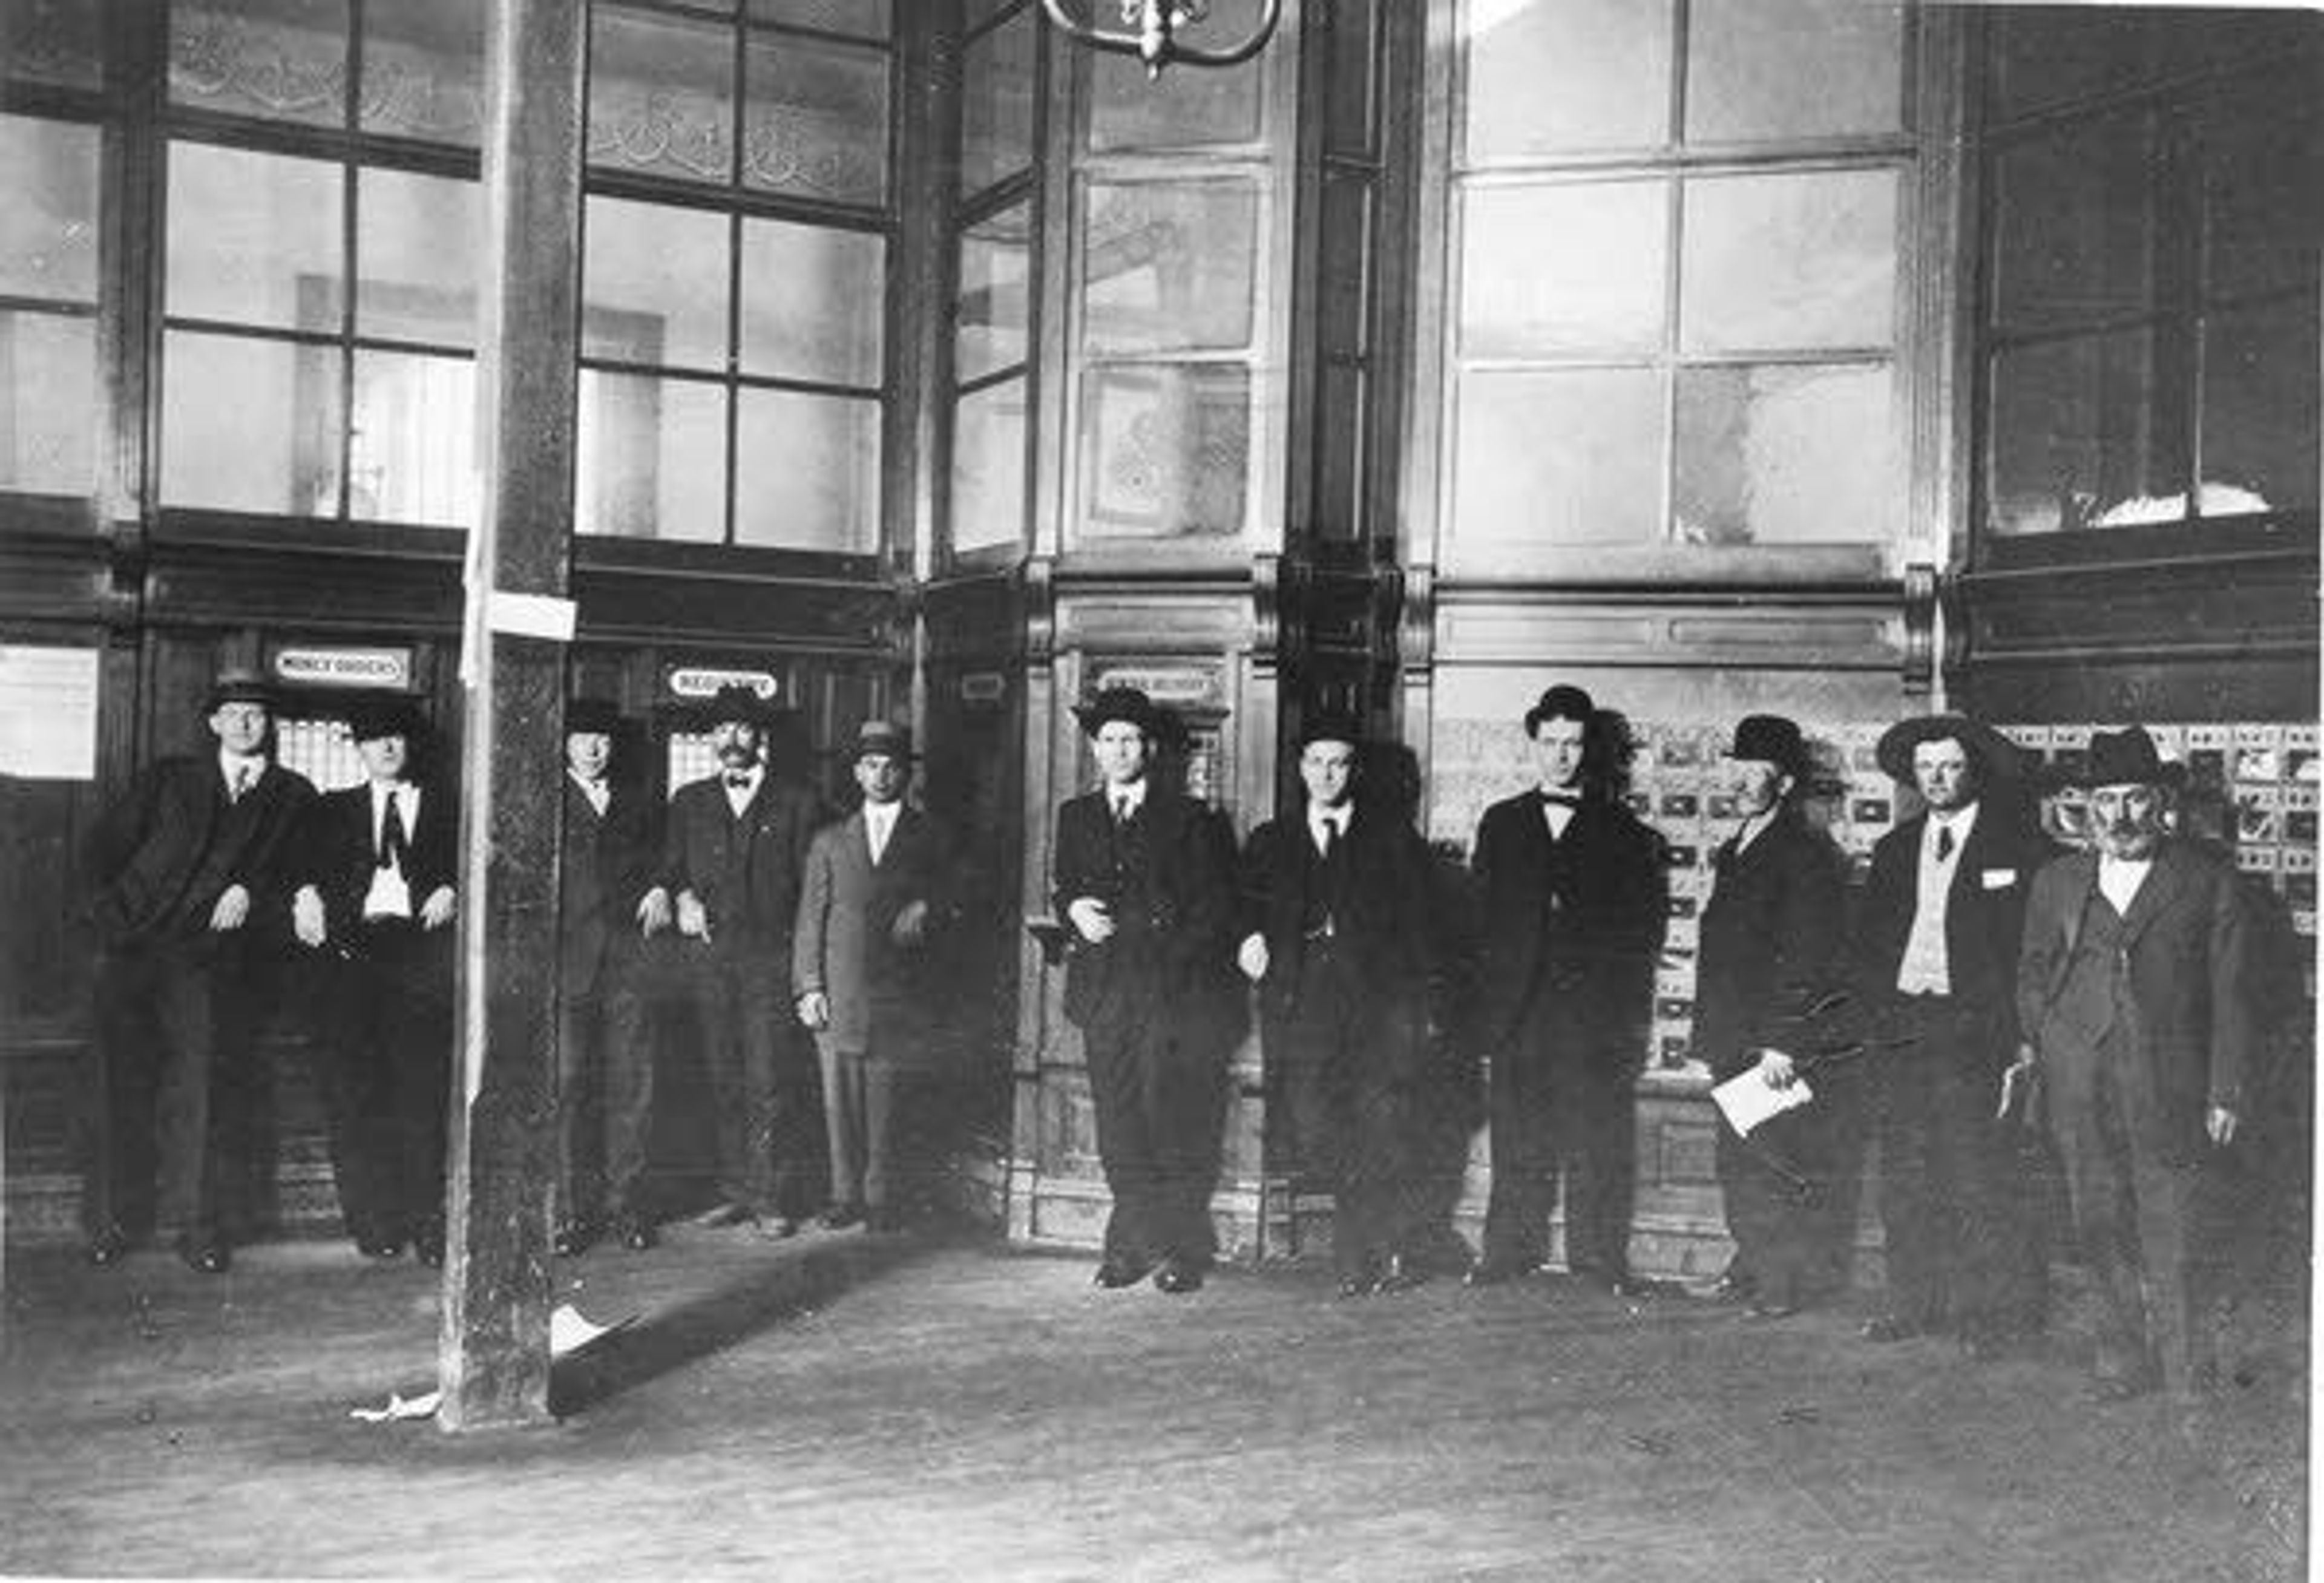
pixel 1331 726
pixel 2125 758
pixel 1563 702
pixel 1993 755
pixel 1123 704
pixel 593 716
pixel 1772 739
pixel 883 737
pixel 239 684
pixel 383 714
pixel 737 701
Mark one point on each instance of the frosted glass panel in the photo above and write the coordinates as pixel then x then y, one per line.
pixel 413 457
pixel 653 284
pixel 991 323
pixel 652 460
pixel 818 120
pixel 1169 268
pixel 2072 222
pixel 289 64
pixel 250 426
pixel 996 103
pixel 423 70
pixel 1781 456
pixel 2071 433
pixel 48 417
pixel 416 254
pixel 1563 457
pixel 987 466
pixel 61 43
pixel 1193 107
pixel 49 224
pixel 806 471
pixel 1563 269
pixel 1166 452
pixel 811 302
pixel 1792 260
pixel 253 238
pixel 661 95
pixel 2260 409
pixel 1578 73
pixel 1759 69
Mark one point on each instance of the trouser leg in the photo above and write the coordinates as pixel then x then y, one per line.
pixel 189 1177
pixel 580 1066
pixel 1524 1190
pixel 881 1082
pixel 1596 1135
pixel 1125 1150
pixel 118 1097
pixel 844 1119
pixel 1908 1210
pixel 625 1066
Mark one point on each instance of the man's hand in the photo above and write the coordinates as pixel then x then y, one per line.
pixel 1776 1071
pixel 653 912
pixel 306 918
pixel 912 925
pixel 231 910
pixel 437 910
pixel 1089 915
pixel 2220 1123
pixel 1252 957
pixel 2017 1079
pixel 815 1011
pixel 693 918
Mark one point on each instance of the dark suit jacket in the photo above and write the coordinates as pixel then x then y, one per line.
pixel 1769 955
pixel 1601 948
pixel 1180 947
pixel 746 872
pixel 1985 913
pixel 843 944
pixel 1383 917
pixel 337 852
pixel 606 862
pixel 2189 972
pixel 161 856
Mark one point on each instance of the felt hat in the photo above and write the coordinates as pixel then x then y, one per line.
pixel 1773 740
pixel 593 716
pixel 1562 701
pixel 239 684
pixel 2125 758
pixel 383 714
pixel 1331 726
pixel 883 737
pixel 1991 754
pixel 1124 704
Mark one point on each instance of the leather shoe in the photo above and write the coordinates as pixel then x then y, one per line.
pixel 1394 1274
pixel 209 1257
pixel 573 1238
pixel 1178 1278
pixel 726 1213
pixel 108 1247
pixel 1771 1308
pixel 428 1247
pixel 1116 1271
pixel 1888 1327
pixel 1625 1284
pixel 1358 1284
pixel 839 1217
pixel 1734 1287
pixel 634 1232
pixel 1496 1269
pixel 779 1228
pixel 375 1245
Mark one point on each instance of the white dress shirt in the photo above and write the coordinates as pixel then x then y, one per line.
pixel 241 772
pixel 390 895
pixel 597 791
pixel 880 827
pixel 1335 819
pixel 738 797
pixel 2120 878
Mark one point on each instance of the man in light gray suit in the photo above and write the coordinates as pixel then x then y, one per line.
pixel 877 887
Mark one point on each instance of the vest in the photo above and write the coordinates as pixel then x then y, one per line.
pixel 2094 997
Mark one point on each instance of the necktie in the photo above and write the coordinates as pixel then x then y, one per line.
pixel 1329 829
pixel 239 783
pixel 738 778
pixel 1564 799
pixel 1944 842
pixel 1121 810
pixel 393 841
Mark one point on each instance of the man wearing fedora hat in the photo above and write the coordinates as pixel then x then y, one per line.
pixel 2136 996
pixel 878 886
pixel 734 855
pixel 189 868
pixel 1144 877
pixel 379 868
pixel 1340 940
pixel 1574 905
pixel 1768 965
pixel 1936 963
pixel 604 1058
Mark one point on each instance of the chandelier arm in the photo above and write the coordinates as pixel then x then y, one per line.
pixel 1169 50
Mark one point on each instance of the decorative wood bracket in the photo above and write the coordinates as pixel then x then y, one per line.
pixel 1920 593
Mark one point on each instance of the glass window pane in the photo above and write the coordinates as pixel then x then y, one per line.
pixel 254 238
pixel 2263 224
pixel 288 64
pixel 991 323
pixel 61 42
pixel 417 253
pixel 1169 267
pixel 49 413
pixel 1571 456
pixel 653 457
pixel 250 426
pixel 1780 455
pixel 1784 68
pixel 811 302
pixel 987 466
pixel 2071 433
pixel 1339 451
pixel 1194 107
pixel 653 284
pixel 1794 259
pixel 423 70
pixel 865 19
pixel 2072 220
pixel 818 120
pixel 2260 409
pixel 1581 74
pixel 2050 54
pixel 413 457
pixel 996 103
pixel 49 225
pixel 1577 268
pixel 807 472
pixel 1166 452
pixel 661 95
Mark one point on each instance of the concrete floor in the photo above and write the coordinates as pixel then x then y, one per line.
pixel 837 1406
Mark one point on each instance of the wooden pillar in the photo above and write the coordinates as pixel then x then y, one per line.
pixel 493 1351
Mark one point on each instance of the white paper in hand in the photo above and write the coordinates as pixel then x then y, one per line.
pixel 1747 1101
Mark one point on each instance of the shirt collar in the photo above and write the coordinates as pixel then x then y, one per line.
pixel 1129 798
pixel 230 761
pixel 1961 822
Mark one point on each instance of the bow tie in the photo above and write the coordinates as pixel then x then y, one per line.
pixel 738 778
pixel 1564 799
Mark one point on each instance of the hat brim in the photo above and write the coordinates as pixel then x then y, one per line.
pixel 1995 755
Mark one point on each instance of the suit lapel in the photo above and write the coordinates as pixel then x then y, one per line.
pixel 2162 888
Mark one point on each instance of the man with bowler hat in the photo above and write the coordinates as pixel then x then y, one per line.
pixel 190 870
pixel 378 871
pixel 734 855
pixel 1144 877
pixel 1935 965
pixel 1340 941
pixel 1575 901
pixel 2135 997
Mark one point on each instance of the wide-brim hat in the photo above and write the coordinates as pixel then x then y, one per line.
pixel 1124 704
pixel 1772 739
pixel 1993 755
pixel 740 702
pixel 240 684
pixel 2125 758
pixel 883 737
pixel 593 716
pixel 383 715
pixel 1331 726
pixel 1563 702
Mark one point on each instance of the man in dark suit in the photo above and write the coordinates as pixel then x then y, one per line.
pixel 605 1059
pixel 1341 943
pixel 734 853
pixel 2136 996
pixel 379 868
pixel 1935 947
pixel 878 886
pixel 188 871
pixel 1767 973
pixel 1575 900
pixel 1144 877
